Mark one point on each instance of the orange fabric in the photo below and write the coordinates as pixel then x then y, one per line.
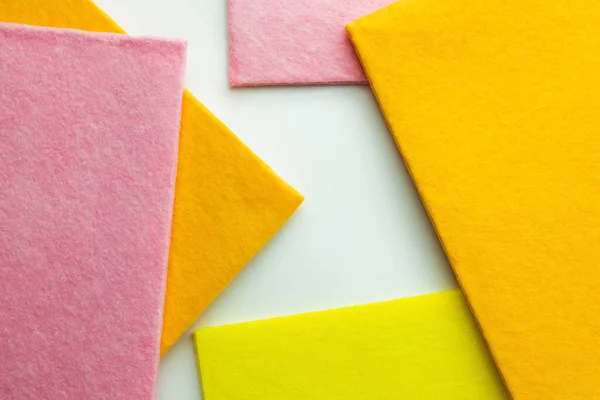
pixel 494 106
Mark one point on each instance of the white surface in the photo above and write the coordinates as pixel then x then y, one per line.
pixel 361 235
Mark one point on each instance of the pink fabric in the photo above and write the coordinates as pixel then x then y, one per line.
pixel 288 42
pixel 89 127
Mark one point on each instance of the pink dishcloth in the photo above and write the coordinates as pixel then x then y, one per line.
pixel 89 128
pixel 287 42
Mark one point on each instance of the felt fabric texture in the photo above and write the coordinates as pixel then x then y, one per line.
pixel 89 128
pixel 228 203
pixel 425 347
pixel 494 106
pixel 281 42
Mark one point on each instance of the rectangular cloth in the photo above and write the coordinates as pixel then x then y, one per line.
pixel 495 108
pixel 228 203
pixel 89 129
pixel 282 42
pixel 425 347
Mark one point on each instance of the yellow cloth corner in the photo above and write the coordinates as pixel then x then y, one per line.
pixel 228 203
pixel 425 347
pixel 494 106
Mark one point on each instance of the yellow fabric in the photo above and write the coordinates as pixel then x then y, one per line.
pixel 425 347
pixel 228 203
pixel 494 106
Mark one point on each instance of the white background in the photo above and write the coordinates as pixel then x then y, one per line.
pixel 361 235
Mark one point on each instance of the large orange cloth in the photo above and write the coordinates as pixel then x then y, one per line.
pixel 495 107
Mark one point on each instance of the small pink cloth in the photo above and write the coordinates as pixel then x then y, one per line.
pixel 89 128
pixel 291 42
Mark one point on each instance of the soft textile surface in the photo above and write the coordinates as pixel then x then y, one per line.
pixel 494 106
pixel 228 203
pixel 425 347
pixel 89 128
pixel 282 42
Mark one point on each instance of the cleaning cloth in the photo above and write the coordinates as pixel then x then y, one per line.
pixel 425 347
pixel 278 42
pixel 494 106
pixel 89 129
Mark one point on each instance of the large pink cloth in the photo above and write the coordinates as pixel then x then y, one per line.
pixel 292 42
pixel 89 128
